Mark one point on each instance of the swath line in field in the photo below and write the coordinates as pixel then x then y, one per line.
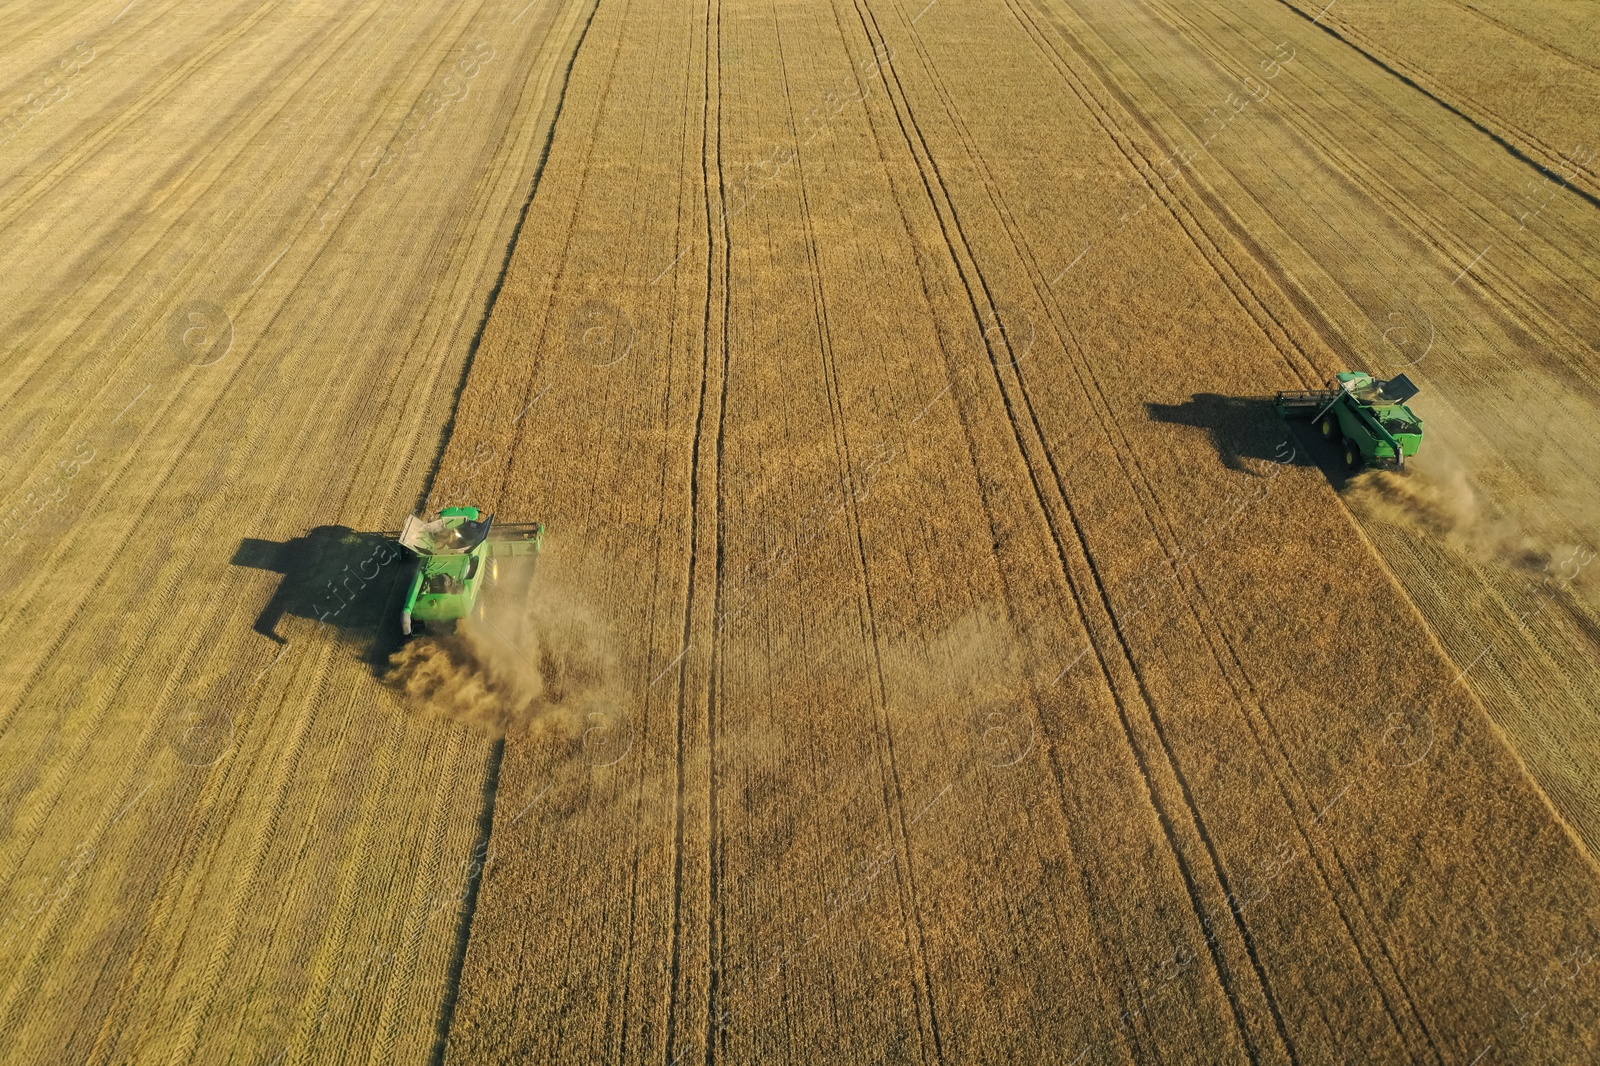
pixel 505 262
pixel 914 935
pixel 469 904
pixel 716 846
pixel 693 592
pixel 463 938
pixel 170 86
pixel 1510 149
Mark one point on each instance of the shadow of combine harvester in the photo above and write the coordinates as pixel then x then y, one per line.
pixel 335 575
pixel 1249 428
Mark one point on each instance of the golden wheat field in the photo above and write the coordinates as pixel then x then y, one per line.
pixel 939 651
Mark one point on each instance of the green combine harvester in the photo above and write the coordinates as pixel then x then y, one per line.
pixel 457 556
pixel 1369 415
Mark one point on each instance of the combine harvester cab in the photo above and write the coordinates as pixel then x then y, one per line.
pixel 457 555
pixel 1367 414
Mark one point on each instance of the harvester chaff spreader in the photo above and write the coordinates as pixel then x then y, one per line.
pixel 456 556
pixel 1368 415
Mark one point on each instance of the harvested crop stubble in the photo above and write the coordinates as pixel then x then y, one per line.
pixel 1524 72
pixel 219 834
pixel 1000 765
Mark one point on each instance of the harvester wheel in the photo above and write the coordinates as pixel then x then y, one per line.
pixel 1352 456
pixel 1329 426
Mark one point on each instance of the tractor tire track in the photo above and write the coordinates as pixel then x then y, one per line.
pixel 1521 145
pixel 718 312
pixel 1106 671
pixel 1127 659
pixel 713 322
pixel 1225 656
pixel 894 803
